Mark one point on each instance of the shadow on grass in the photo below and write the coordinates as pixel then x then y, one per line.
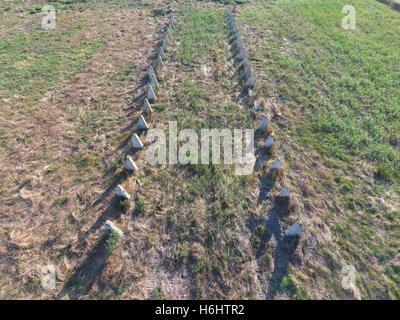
pixel 80 283
pixel 284 251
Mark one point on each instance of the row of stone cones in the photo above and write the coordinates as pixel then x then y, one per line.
pixel 276 167
pixel 142 125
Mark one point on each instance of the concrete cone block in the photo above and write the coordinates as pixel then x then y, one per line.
pixel 130 164
pixel 151 96
pixel 153 81
pixel 151 72
pixel 142 124
pixel 263 126
pixel 247 72
pixel 276 165
pixel 269 142
pixel 295 230
pixel 122 193
pixel 250 82
pixel 136 143
pixel 147 106
pixel 285 193
pixel 160 62
pixel 258 106
pixel 242 54
pixel 164 45
pixel 111 226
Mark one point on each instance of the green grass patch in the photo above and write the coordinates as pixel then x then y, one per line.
pixel 140 206
pixel 32 61
pixel 112 242
pixel 200 33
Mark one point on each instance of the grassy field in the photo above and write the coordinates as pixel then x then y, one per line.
pixel 69 101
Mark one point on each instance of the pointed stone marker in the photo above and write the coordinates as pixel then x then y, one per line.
pixel 136 143
pixel 247 71
pixel 285 193
pixel 160 63
pixel 161 53
pixel 142 124
pixel 250 82
pixel 111 226
pixel 151 72
pixel 153 81
pixel 242 54
pixel 239 45
pixel 130 164
pixel 263 126
pixel 277 165
pixel 122 193
pixel 258 106
pixel 269 142
pixel 147 106
pixel 295 230
pixel 151 96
